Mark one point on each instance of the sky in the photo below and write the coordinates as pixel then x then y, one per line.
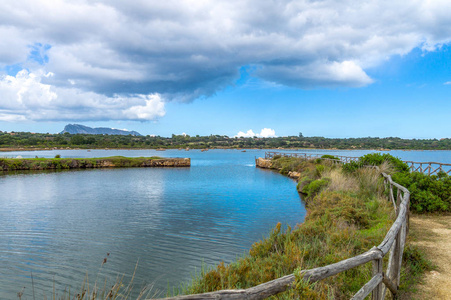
pixel 265 68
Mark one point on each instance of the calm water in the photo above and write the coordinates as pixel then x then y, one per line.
pixel 60 225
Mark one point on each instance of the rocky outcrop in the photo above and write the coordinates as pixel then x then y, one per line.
pixel 294 175
pixel 263 163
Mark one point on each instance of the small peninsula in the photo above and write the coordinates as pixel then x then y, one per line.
pixel 15 164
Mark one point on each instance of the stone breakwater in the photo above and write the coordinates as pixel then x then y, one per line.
pixel 267 164
pixel 16 164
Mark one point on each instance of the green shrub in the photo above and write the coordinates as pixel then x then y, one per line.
pixel 314 187
pixel 319 170
pixel 377 159
pixel 427 193
pixel 351 167
pixel 303 182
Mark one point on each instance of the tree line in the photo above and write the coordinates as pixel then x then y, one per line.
pixel 47 140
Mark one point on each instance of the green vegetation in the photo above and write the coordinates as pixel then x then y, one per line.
pixel 347 215
pixel 429 193
pixel 14 140
pixel 12 164
pixel 376 159
pixel 414 265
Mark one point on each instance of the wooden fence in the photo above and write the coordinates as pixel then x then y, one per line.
pixel 393 245
pixel 429 168
pixel 344 159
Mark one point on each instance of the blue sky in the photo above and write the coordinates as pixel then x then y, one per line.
pixel 333 69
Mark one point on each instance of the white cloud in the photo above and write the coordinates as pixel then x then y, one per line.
pixel 447 83
pixel 153 108
pixel 25 97
pixel 265 133
pixel 249 133
pixel 120 52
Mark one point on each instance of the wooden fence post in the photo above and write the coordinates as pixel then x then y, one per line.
pixel 377 269
pixel 392 197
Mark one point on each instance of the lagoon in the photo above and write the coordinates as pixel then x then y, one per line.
pixel 60 225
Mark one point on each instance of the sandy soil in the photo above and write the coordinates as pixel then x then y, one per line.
pixel 433 235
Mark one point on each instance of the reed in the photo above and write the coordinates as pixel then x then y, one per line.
pixel 118 289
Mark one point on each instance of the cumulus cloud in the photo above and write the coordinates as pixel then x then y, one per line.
pixel 264 133
pixel 26 97
pixel 120 52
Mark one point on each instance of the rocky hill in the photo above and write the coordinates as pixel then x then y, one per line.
pixel 77 128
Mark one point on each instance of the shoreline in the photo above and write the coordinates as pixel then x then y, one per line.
pixel 221 148
pixel 25 164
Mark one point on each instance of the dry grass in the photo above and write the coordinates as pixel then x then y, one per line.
pixel 365 181
pixel 340 182
pixel 386 168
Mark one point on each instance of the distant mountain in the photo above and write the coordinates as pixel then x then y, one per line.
pixel 77 128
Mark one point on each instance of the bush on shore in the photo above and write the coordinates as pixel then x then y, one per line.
pixel 428 193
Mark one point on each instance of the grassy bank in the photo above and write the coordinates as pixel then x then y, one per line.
pixel 14 164
pixel 347 215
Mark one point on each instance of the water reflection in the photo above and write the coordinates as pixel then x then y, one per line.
pixel 60 225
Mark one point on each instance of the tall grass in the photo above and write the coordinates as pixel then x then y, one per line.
pixel 118 289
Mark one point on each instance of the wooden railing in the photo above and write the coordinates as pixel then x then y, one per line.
pixel 393 244
pixel 344 159
pixel 429 168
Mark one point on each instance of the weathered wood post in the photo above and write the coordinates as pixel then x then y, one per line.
pixel 377 269
pixel 392 197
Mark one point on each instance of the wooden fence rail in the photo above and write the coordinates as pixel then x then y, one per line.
pixel 429 168
pixel 393 244
pixel 345 159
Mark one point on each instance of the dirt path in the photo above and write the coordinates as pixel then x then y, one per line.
pixel 433 235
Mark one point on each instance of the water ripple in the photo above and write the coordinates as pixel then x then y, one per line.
pixel 60 226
